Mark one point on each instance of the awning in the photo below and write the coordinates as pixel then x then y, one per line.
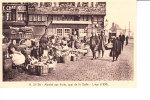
pixel 71 22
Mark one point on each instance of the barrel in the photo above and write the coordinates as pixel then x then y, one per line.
pixel 42 70
pixel 73 58
pixel 7 64
pixel 65 59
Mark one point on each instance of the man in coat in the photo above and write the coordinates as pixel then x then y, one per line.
pixel 126 40
pixel 101 43
pixel 116 50
pixel 93 44
pixel 122 39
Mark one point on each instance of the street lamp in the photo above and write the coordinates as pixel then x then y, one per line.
pixel 105 25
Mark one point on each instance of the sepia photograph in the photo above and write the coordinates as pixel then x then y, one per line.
pixel 69 42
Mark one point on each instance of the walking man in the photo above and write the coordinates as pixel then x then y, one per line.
pixel 101 44
pixel 93 44
pixel 122 39
pixel 116 50
pixel 126 40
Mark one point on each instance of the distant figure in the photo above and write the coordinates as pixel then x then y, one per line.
pixel 73 39
pixel 101 44
pixel 116 50
pixel 122 39
pixel 127 40
pixel 84 39
pixel 93 44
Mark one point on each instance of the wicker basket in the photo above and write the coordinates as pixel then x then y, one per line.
pixel 7 64
pixel 42 70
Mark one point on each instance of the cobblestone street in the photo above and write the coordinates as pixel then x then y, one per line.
pixel 85 69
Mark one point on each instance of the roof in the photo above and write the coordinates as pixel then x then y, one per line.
pixel 70 11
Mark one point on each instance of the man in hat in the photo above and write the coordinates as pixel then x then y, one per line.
pixel 93 44
pixel 101 43
pixel 122 39
pixel 116 50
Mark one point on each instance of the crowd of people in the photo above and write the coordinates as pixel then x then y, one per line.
pixel 54 47
pixel 47 47
pixel 98 44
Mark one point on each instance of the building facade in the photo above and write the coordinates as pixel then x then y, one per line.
pixel 15 19
pixel 58 18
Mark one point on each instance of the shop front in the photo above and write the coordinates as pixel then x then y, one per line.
pixel 67 28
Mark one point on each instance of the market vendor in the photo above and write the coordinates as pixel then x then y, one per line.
pixel 17 57
pixel 34 52
pixel 64 41
pixel 43 44
pixel 12 45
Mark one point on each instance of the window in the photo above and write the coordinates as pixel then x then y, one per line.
pixel 30 17
pixel 8 16
pixel 59 31
pixel 39 17
pixel 35 17
pixel 82 32
pixel 43 18
pixel 85 18
pixel 66 32
pixel 21 16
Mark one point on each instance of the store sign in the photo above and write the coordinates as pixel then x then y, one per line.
pixel 21 8
pixel 8 7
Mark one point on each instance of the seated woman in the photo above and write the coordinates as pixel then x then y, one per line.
pixel 17 57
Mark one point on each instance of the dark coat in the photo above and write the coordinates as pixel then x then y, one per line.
pixel 11 45
pixel 93 42
pixel 122 38
pixel 34 53
pixel 116 50
pixel 101 42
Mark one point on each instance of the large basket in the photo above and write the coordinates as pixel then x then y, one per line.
pixel 7 64
pixel 65 59
pixel 42 70
pixel 73 58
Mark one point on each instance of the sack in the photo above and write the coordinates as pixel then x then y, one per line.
pixel 108 46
